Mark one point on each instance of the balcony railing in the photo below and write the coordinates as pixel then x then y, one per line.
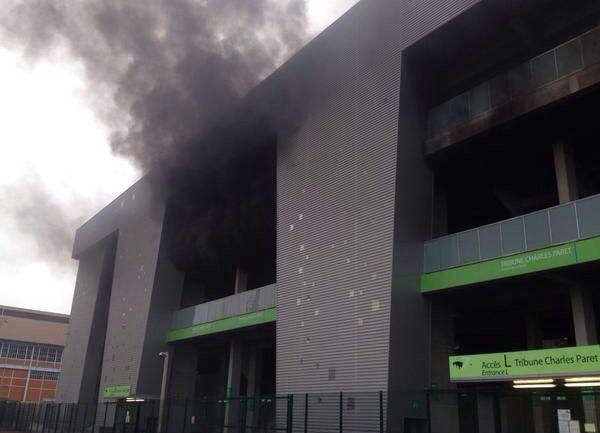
pixel 556 225
pixel 566 59
pixel 231 306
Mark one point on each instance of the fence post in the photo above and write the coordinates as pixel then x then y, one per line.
pixel 105 415
pixel 290 413
pixel 138 409
pixel 165 423
pixel 57 417
pixel 72 406
pixel 16 423
pixel 380 411
pixel 341 412
pixel 185 410
pixel 85 416
pixel 46 409
pixel 115 418
pixel 306 413
pixel 428 397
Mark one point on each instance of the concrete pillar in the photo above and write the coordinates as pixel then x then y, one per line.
pixel 442 344
pixel 486 419
pixel 584 323
pixel 235 348
pixel 184 364
pixel 444 403
pixel 582 305
pixel 564 167
pixel 534 341
pixel 584 316
pixel 234 372
pixel 252 370
pixel 241 280
pixel 234 368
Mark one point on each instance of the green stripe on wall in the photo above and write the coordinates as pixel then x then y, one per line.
pixel 533 261
pixel 222 325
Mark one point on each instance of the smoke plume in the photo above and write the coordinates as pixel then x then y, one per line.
pixel 162 70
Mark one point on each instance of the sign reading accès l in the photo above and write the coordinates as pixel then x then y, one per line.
pixel 117 391
pixel 568 361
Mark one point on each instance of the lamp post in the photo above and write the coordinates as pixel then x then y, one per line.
pixel 163 389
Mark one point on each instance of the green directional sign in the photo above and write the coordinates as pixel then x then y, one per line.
pixel 568 361
pixel 222 325
pixel 558 256
pixel 117 391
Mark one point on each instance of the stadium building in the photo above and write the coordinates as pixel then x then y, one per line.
pixel 409 204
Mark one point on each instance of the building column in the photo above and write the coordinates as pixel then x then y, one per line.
pixel 582 305
pixel 444 403
pixel 486 418
pixel 252 371
pixel 234 368
pixel 584 316
pixel 584 324
pixel 534 341
pixel 564 168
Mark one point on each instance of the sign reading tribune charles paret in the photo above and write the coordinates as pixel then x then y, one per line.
pixel 568 361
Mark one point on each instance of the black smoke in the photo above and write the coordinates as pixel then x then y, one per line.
pixel 164 74
pixel 163 70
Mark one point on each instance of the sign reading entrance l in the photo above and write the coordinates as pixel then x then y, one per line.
pixel 568 361
pixel 117 391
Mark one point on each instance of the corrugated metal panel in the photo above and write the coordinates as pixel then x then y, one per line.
pixel 336 189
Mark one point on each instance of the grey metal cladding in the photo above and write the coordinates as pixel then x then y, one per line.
pixel 166 298
pixel 140 228
pixel 136 217
pixel 336 182
pixel 75 360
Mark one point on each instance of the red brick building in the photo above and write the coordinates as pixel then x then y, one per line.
pixel 31 348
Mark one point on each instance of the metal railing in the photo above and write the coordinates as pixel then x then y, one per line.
pixel 234 305
pixel 299 413
pixel 556 225
pixel 559 62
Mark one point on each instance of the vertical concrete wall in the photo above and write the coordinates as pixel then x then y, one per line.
pixel 144 290
pixel 83 352
pixel 166 298
pixel 335 219
pixel 337 180
pixel 184 371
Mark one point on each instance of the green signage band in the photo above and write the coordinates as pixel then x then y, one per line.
pixel 547 363
pixel 117 391
pixel 227 324
pixel 533 261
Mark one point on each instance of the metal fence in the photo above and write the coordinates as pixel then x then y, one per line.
pixel 300 413
pixel 556 225
pixel 570 57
